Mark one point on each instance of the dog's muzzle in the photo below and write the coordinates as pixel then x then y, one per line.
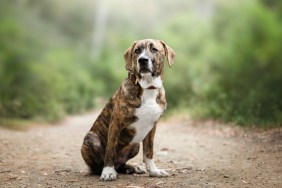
pixel 145 65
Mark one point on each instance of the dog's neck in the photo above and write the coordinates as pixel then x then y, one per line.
pixel 146 81
pixel 133 78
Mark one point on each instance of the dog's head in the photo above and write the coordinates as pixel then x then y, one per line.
pixel 147 57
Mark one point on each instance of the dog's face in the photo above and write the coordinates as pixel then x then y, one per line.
pixel 147 57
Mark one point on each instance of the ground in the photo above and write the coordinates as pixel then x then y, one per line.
pixel 196 154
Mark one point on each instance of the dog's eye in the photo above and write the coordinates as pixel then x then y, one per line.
pixel 154 50
pixel 137 51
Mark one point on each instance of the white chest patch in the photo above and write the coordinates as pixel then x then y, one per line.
pixel 148 113
pixel 147 80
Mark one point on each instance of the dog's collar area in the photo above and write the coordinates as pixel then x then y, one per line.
pixel 133 78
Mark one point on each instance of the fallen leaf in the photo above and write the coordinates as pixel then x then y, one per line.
pixel 251 158
pixel 62 170
pixel 160 183
pixel 19 178
pixel 178 169
pixel 164 149
pixel 245 181
pixel 12 176
pixel 202 169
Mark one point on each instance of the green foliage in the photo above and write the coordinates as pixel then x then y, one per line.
pixel 231 67
pixel 41 77
pixel 228 64
pixel 247 88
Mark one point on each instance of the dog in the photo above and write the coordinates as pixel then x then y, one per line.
pixel 131 115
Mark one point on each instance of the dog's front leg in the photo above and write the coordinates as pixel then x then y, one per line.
pixel 109 173
pixel 148 144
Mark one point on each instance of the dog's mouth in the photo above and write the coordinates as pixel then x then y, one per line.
pixel 144 70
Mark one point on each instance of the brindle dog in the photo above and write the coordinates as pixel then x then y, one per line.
pixel 131 114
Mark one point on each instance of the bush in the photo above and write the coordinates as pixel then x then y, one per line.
pixel 45 79
pixel 230 66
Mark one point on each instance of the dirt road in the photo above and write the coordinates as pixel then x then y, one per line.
pixel 195 154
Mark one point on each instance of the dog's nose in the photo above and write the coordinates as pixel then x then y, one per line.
pixel 143 61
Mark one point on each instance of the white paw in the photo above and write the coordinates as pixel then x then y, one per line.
pixel 108 174
pixel 158 173
pixel 139 170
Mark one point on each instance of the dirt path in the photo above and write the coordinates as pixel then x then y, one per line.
pixel 199 155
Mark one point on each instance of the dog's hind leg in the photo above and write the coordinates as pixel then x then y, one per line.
pixel 93 152
pixel 123 156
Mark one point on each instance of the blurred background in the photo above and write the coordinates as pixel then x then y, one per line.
pixel 62 57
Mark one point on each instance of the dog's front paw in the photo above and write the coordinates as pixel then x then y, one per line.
pixel 108 174
pixel 158 173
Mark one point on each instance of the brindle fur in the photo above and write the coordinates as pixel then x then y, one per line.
pixel 108 143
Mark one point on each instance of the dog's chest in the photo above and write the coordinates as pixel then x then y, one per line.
pixel 148 113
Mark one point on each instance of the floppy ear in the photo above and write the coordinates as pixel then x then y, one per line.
pixel 128 57
pixel 169 52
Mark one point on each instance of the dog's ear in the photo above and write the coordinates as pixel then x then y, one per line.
pixel 169 52
pixel 128 57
